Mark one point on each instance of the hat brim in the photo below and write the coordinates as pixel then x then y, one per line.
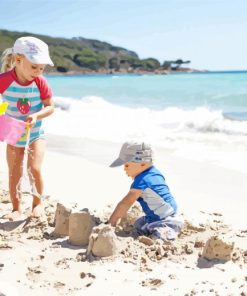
pixel 117 162
pixel 40 60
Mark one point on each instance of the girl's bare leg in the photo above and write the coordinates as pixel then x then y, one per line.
pixel 15 160
pixel 35 160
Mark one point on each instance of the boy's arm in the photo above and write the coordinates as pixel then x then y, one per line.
pixel 123 206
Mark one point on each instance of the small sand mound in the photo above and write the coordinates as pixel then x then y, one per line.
pixel 103 241
pixel 218 248
pixel 130 217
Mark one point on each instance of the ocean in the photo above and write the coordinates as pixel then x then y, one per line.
pixel 200 116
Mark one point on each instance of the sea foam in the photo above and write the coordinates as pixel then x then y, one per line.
pixel 199 133
pixel 95 117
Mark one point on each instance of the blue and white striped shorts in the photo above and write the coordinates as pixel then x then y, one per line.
pixel 165 229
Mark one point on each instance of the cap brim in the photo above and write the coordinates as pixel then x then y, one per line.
pixel 50 63
pixel 40 60
pixel 45 61
pixel 117 162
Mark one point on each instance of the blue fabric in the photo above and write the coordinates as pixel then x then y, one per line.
pixel 24 100
pixel 156 199
pixel 166 229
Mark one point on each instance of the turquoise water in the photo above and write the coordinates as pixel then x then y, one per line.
pixel 216 91
pixel 198 116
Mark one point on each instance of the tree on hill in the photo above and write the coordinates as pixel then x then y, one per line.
pixel 174 65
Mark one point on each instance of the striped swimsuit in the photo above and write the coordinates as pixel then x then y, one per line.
pixel 24 100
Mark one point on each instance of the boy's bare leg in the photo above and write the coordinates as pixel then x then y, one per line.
pixel 35 160
pixel 15 160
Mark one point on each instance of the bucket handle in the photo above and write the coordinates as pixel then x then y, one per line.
pixel 3 108
pixel 24 137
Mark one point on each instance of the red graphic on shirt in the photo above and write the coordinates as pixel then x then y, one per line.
pixel 24 105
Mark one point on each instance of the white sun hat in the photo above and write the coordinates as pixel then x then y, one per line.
pixel 34 49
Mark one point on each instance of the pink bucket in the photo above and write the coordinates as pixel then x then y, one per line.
pixel 11 129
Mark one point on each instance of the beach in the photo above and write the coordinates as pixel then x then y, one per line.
pixel 196 124
pixel 33 262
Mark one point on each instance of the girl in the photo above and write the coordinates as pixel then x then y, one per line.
pixel 30 99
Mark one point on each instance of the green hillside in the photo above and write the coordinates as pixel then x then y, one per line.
pixel 86 55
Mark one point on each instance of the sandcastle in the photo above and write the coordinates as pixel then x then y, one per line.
pixel 218 248
pixel 80 228
pixel 103 241
pixel 62 220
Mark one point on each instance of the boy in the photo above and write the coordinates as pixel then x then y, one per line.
pixel 150 190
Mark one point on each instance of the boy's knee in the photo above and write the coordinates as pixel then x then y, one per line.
pixel 139 223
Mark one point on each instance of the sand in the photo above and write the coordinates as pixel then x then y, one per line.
pixel 36 261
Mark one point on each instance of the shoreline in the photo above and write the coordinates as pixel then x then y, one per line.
pixel 106 72
pixel 111 72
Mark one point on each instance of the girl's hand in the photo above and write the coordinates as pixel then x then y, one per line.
pixel 31 120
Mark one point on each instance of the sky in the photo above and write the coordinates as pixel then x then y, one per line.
pixel 212 34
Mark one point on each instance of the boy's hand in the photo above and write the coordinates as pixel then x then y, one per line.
pixel 123 206
pixel 112 222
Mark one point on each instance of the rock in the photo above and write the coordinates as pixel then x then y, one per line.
pixel 188 249
pixel 88 274
pixel 88 278
pixel 81 257
pixel 160 251
pixel 194 226
pixel 145 240
pixel 152 282
pixel 59 285
pixel 80 228
pixel 233 280
pixel 199 244
pixel 172 276
pixel 218 248
pixel 143 260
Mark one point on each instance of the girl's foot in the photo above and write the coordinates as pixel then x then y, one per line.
pixel 14 216
pixel 37 211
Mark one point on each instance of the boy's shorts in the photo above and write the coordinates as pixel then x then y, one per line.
pixel 166 229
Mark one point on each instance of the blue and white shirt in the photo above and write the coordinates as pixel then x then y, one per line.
pixel 156 200
pixel 24 100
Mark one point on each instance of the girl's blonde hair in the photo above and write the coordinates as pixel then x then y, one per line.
pixel 7 60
